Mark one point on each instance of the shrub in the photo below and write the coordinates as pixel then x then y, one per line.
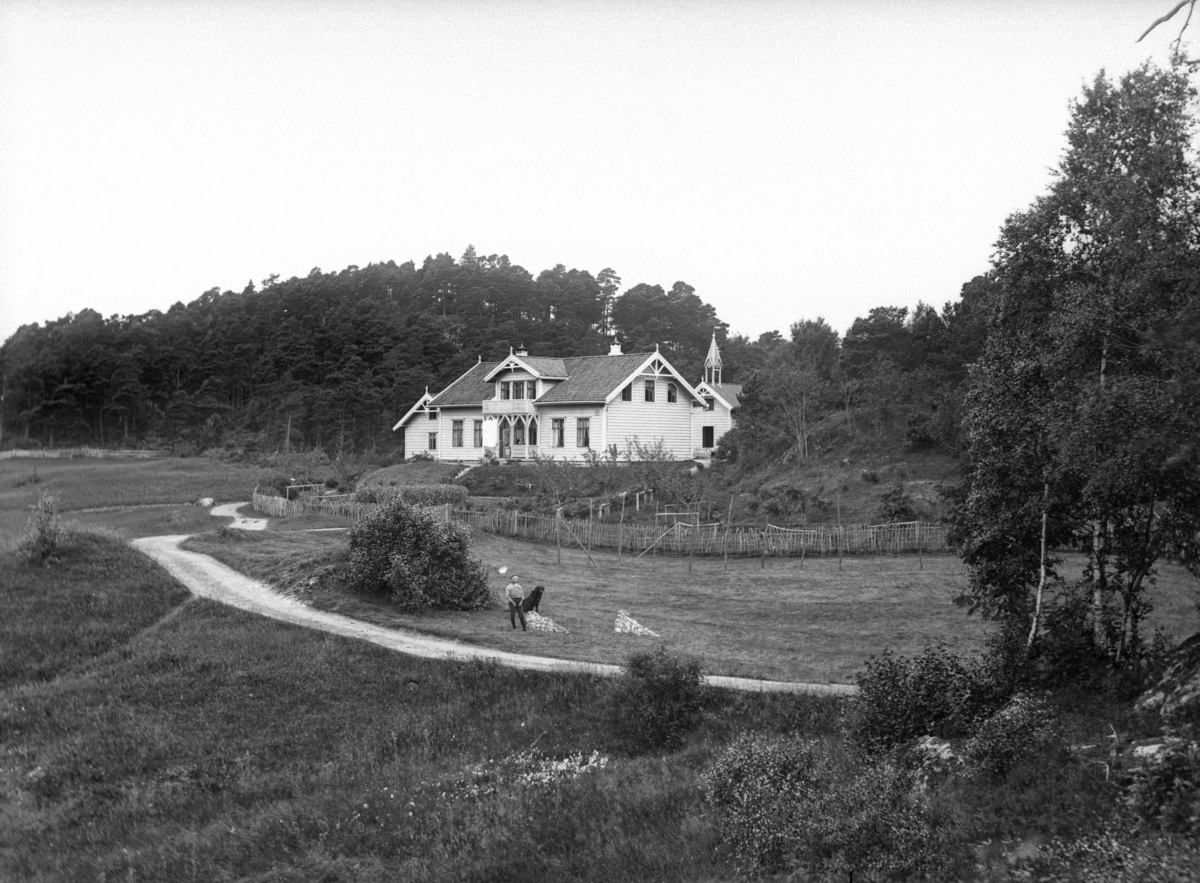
pixel 661 695
pixel 1165 791
pixel 44 533
pixel 782 804
pixel 1023 728
pixel 934 694
pixel 870 824
pixel 419 563
pixel 421 457
pixel 759 784
pixel 415 494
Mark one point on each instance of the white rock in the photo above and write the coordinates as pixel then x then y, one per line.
pixel 206 502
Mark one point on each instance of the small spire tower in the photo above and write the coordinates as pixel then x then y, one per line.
pixel 712 364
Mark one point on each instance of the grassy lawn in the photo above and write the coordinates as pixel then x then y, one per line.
pixel 222 745
pixel 809 622
pixel 417 472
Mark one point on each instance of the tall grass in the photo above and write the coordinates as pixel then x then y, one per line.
pixel 223 745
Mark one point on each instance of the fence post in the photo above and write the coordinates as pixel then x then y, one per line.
pixel 558 532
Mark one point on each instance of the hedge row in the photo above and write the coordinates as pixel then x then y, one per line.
pixel 414 494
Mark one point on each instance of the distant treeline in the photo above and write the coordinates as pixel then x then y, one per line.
pixel 332 360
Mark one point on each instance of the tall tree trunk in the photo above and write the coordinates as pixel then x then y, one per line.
pixel 1041 588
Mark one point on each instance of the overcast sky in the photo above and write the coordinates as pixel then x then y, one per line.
pixel 788 160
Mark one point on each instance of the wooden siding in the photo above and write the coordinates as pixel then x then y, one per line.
pixel 719 418
pixel 650 421
pixel 568 413
pixel 468 452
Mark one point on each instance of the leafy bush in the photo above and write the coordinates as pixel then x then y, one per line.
pixel 870 824
pixel 759 784
pixel 44 533
pixel 419 563
pixel 934 694
pixel 1023 728
pixel 661 695
pixel 414 494
pixel 784 805
pixel 1165 791
pixel 421 457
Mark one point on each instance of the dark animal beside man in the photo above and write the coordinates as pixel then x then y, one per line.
pixel 533 600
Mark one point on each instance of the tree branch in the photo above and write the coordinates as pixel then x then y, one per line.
pixel 1168 17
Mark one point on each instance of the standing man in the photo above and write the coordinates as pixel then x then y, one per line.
pixel 515 595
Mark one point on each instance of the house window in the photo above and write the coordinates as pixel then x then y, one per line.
pixel 456 433
pixel 556 431
pixel 649 390
pixel 627 393
pixel 533 431
pixel 479 433
pixel 582 437
pixel 531 389
pixel 504 386
pixel 706 437
pixel 711 403
pixel 518 389
pixel 519 433
pixel 433 441
pixel 671 397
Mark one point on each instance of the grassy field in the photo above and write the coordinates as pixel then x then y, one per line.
pixel 93 483
pixel 414 472
pixel 222 745
pixel 219 745
pixel 814 621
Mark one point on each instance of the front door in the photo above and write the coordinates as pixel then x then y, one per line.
pixel 505 440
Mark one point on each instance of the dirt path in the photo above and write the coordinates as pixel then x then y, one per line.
pixel 209 578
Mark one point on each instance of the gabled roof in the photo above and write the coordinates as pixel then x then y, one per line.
pixel 419 406
pixel 538 366
pixel 727 392
pixel 598 379
pixel 592 378
pixel 470 389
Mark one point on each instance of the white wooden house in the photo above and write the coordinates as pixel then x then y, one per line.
pixel 527 406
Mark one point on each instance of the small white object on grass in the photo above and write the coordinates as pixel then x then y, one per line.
pixel 503 570
pixel 627 625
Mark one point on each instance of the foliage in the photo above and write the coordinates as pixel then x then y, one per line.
pixel 1071 413
pixel 933 694
pixel 897 505
pixel 660 695
pixel 1023 728
pixel 759 784
pixel 44 533
pixel 420 564
pixel 783 805
pixel 414 494
pixel 1164 791
pixel 1115 857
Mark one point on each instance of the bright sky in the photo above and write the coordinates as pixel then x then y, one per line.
pixel 788 160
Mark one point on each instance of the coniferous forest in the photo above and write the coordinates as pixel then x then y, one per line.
pixel 333 359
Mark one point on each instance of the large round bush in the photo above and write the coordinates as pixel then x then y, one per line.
pixel 419 563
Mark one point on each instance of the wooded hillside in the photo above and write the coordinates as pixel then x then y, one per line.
pixel 332 360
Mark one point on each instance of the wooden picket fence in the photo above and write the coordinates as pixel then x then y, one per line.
pixel 709 540
pixel 714 539
pixel 72 453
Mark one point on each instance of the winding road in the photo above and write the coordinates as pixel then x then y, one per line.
pixel 208 578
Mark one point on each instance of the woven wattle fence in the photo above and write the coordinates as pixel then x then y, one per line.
pixel 712 540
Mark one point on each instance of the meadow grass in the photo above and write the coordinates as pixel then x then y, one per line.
pixel 92 599
pixel 87 483
pixel 813 621
pixel 223 745
pixel 414 472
